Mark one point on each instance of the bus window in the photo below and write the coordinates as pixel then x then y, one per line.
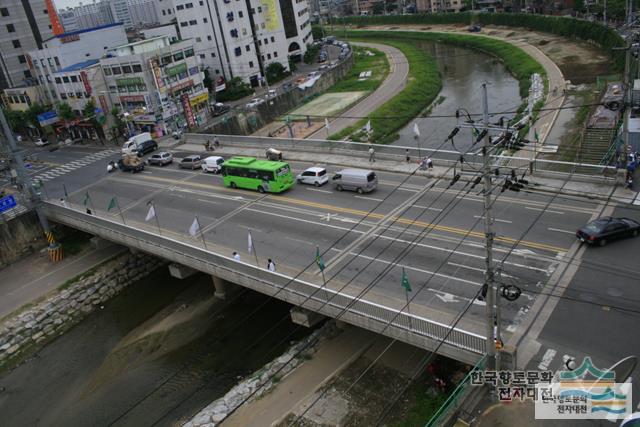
pixel 266 176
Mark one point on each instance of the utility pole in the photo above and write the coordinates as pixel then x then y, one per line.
pixel 55 251
pixel 488 233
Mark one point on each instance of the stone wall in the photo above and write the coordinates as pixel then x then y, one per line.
pixel 19 237
pixel 49 318
pixel 245 123
pixel 263 380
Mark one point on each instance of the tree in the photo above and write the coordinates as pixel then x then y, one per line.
pixel 89 114
pixel 16 119
pixel 378 8
pixel 31 115
pixel 65 112
pixel 235 89
pixel 275 72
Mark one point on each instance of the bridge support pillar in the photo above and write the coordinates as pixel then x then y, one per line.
pixel 304 317
pixel 181 271
pixel 508 357
pixel 221 287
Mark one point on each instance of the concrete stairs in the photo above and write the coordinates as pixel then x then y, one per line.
pixel 596 143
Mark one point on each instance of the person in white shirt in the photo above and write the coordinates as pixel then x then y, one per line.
pixel 236 256
pixel 271 266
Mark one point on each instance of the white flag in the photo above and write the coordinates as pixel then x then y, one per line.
pixel 368 126
pixel 249 242
pixel 195 227
pixel 416 130
pixel 326 123
pixel 151 214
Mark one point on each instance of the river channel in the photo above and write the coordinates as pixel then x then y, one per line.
pixel 155 354
pixel 463 72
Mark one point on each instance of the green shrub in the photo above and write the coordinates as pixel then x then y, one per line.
pixel 235 89
pixel 311 53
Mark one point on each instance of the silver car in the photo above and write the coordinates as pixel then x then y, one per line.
pixel 161 159
pixel 191 162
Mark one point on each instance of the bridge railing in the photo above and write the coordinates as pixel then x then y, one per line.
pixel 354 309
pixel 398 152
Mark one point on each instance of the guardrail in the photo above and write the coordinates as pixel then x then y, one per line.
pixel 398 152
pixel 460 344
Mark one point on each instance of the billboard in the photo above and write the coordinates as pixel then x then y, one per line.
pixel 188 112
pixel 270 15
pixel 48 118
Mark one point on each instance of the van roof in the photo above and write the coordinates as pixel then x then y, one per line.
pixel 353 171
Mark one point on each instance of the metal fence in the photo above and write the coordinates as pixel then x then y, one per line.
pixel 371 315
pixel 398 152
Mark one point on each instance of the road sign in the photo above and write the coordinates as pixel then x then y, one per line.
pixel 47 118
pixel 7 203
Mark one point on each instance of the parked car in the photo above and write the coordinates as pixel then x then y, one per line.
pixel 177 134
pixel 219 109
pixel 193 161
pixel 474 28
pixel 147 146
pixel 314 176
pixel 359 180
pixel 255 102
pixel 271 94
pixel 212 164
pixel 161 159
pixel 41 142
pixel 606 229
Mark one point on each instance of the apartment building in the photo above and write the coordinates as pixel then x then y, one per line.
pixel 159 84
pixel 240 38
pixel 23 27
pixel 130 13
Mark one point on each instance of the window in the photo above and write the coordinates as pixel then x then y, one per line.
pixel 126 69
pixel 4 11
pixel 259 9
pixel 262 25
pixel 56 60
pixel 201 3
pixel 275 54
pixel 268 56
pixel 205 20
pixel 58 80
pixel 250 64
pixel 46 12
pixel 22 59
pixel 248 48
pixel 252 11
pixel 116 71
pixel 240 14
pixel 63 96
pixel 167 59
pixel 11 28
pixel 184 24
pixel 234 33
pixel 74 79
pixel 107 71
pixel 238 51
pixel 178 56
pixel 266 41
pixel 27 74
pixel 209 38
pixel 189 5
pixel 217 71
pixel 198 39
pixel 86 95
pixel 65 79
pixel 244 31
pixel 180 7
pixel 259 42
pixel 188 53
pixel 193 22
pixel 202 56
pixel 137 68
pixel 164 12
pixel 16 43
pixel 273 39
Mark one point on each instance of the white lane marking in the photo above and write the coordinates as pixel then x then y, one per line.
pixel 369 198
pixel 495 219
pixel 407 189
pixel 298 240
pixel 209 201
pixel 427 207
pixel 320 191
pixel 447 297
pixel 545 210
pixel 561 231
pixel 546 359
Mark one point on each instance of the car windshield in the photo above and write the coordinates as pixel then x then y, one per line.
pixel 322 172
pixel 283 171
pixel 595 227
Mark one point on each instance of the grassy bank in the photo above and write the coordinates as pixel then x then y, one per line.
pixel 364 60
pixel 423 85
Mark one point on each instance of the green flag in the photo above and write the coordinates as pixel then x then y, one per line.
pixel 535 133
pixel 87 199
pixel 319 260
pixel 405 281
pixel 112 204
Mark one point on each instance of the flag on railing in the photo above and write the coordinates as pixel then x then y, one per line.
pixel 326 123
pixel 368 126
pixel 66 195
pixel 537 137
pixel 87 199
pixel 405 281
pixel 151 214
pixel 416 130
pixel 249 242
pixel 195 227
pixel 319 260
pixel 112 204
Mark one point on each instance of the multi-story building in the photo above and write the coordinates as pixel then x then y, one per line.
pixel 23 27
pixel 69 49
pixel 143 12
pixel 130 13
pixel 236 38
pixel 158 84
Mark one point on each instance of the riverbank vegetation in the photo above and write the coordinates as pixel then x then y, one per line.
pixel 365 59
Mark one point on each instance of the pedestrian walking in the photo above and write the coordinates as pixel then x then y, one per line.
pixel 271 266
pixel 406 152
pixel 372 154
pixel 216 142
pixel 429 163
pixel 236 256
pixel 63 202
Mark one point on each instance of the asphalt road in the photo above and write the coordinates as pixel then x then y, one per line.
pixel 438 240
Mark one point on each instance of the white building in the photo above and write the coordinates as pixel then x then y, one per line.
pixel 236 38
pixel 69 49
pixel 143 12
pixel 159 84
pixel 131 13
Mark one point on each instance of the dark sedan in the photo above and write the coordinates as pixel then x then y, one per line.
pixel 606 229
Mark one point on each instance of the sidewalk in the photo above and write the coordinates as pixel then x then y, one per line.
pixel 32 278
pixel 333 356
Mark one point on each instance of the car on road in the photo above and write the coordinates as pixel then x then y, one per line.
pixel 219 109
pixel 606 229
pixel 475 28
pixel 193 161
pixel 271 94
pixel 147 147
pixel 255 102
pixel 212 164
pixel 359 180
pixel 41 142
pixel 162 158
pixel 314 176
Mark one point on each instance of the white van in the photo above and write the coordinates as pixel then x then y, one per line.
pixel 360 180
pixel 212 164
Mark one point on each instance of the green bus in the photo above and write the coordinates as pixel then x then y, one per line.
pixel 254 174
